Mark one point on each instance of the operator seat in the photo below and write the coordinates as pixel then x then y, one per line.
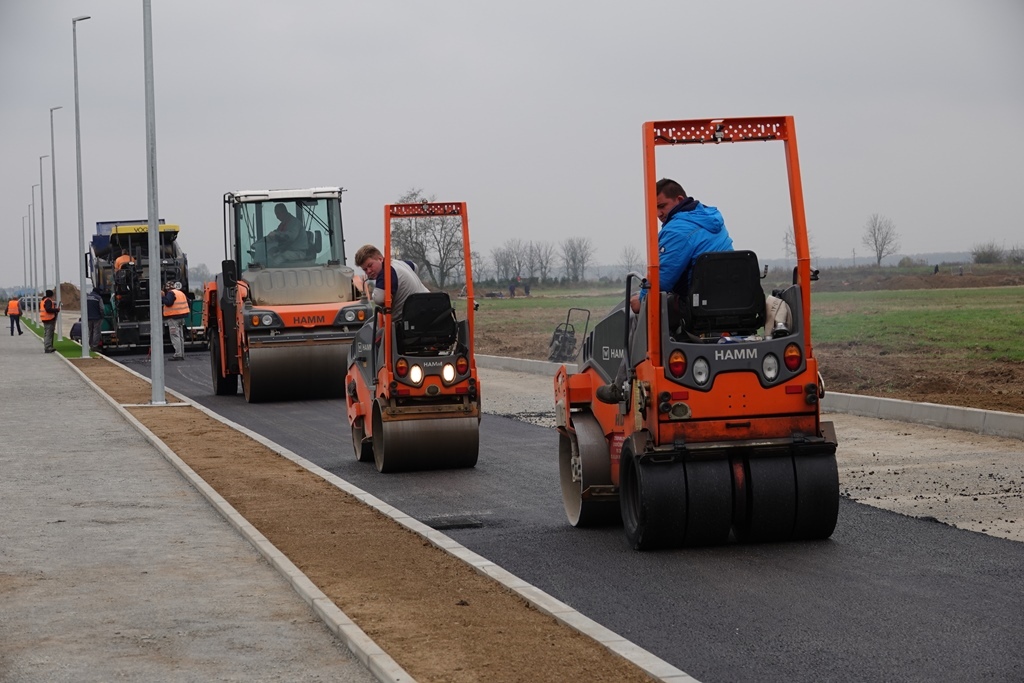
pixel 428 326
pixel 725 295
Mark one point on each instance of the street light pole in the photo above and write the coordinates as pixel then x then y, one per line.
pixel 31 258
pixel 156 319
pixel 24 258
pixel 35 251
pixel 81 213
pixel 56 243
pixel 42 215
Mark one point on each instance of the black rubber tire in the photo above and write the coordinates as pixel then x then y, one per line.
pixel 652 501
pixel 708 502
pixel 222 386
pixel 593 469
pixel 771 501
pixel 817 496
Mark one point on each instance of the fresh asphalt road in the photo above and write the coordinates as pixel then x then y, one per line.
pixel 887 598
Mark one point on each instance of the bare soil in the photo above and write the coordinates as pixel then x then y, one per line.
pixel 437 617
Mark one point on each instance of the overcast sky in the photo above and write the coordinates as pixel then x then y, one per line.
pixel 530 111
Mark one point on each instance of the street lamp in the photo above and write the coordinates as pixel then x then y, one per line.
pixel 81 213
pixel 56 243
pixel 42 215
pixel 24 258
pixel 35 248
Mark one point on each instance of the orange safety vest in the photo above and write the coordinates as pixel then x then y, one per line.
pixel 13 307
pixel 122 260
pixel 179 307
pixel 43 315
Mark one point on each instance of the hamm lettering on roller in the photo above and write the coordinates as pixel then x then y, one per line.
pixel 309 320
pixel 735 354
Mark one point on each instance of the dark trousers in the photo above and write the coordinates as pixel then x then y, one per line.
pixel 15 322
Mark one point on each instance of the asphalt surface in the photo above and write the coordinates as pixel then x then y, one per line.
pixel 113 567
pixel 888 597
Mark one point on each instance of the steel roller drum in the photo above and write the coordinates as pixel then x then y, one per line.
pixel 426 444
pixel 294 372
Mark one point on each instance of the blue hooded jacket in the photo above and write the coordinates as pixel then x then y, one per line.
pixel 691 229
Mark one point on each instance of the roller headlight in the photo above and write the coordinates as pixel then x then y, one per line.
pixel 350 316
pixel 701 371
pixel 448 372
pixel 267 319
pixel 415 374
pixel 770 367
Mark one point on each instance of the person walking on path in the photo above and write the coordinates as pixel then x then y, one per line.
pixel 48 316
pixel 176 309
pixel 94 304
pixel 13 311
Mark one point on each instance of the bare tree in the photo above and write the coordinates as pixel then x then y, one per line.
pixel 481 269
pixel 789 243
pixel 880 237
pixel 517 256
pixel 990 252
pixel 631 259
pixel 577 253
pixel 502 261
pixel 531 264
pixel 545 257
pixel 433 243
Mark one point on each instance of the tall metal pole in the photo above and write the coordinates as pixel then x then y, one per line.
pixel 81 213
pixel 56 243
pixel 24 257
pixel 35 252
pixel 42 215
pixel 31 261
pixel 156 318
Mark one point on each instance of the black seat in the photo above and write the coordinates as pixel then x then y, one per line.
pixel 428 325
pixel 725 295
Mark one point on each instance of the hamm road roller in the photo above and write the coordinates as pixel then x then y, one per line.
pixel 283 311
pixel 718 433
pixel 413 396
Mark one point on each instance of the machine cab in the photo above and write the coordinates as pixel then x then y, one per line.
pixel 285 228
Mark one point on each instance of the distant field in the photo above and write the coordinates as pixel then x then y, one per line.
pixel 978 323
pixel 975 323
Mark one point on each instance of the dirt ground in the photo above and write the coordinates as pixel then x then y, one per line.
pixel 436 616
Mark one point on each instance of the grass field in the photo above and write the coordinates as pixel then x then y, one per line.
pixel 983 322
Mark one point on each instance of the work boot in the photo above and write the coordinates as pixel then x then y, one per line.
pixel 610 393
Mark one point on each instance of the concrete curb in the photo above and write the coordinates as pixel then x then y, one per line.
pixel 361 645
pixel 987 422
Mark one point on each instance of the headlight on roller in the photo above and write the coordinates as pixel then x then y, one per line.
pixel 415 374
pixel 448 372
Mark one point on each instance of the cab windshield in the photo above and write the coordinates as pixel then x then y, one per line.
pixel 290 233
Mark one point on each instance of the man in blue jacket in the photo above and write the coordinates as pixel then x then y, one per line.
pixel 688 229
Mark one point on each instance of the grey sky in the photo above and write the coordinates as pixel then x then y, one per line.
pixel 528 111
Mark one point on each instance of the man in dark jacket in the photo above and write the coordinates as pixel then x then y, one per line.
pixel 94 304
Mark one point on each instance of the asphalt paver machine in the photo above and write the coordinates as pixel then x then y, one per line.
pixel 720 434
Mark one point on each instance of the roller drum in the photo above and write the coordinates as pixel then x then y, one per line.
pixel 294 372
pixel 425 444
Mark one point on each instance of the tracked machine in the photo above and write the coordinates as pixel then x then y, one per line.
pixel 283 311
pixel 413 394
pixel 720 435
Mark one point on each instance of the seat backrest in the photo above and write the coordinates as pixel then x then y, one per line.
pixel 725 294
pixel 428 325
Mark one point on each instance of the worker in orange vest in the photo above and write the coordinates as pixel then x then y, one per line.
pixel 13 311
pixel 123 260
pixel 176 309
pixel 48 316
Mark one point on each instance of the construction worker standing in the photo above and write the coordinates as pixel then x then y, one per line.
pixel 176 309
pixel 13 311
pixel 48 311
